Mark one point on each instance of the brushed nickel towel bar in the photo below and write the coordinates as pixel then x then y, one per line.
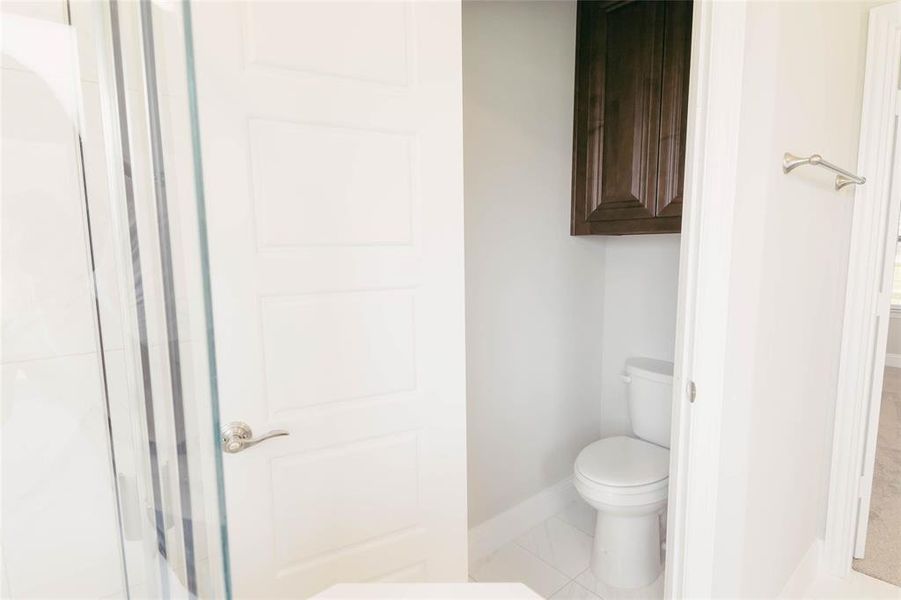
pixel 790 162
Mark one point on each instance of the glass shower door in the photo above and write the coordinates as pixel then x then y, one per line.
pixel 161 283
pixel 111 464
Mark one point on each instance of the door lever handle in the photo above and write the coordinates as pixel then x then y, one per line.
pixel 238 436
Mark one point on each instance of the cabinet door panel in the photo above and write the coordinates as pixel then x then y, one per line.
pixel 623 60
pixel 674 109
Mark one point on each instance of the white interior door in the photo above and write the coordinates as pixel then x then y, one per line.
pixel 884 194
pixel 332 152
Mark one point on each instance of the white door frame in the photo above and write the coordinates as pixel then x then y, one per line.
pixel 715 93
pixel 873 232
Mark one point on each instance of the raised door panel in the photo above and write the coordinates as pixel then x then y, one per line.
pixel 674 109
pixel 620 48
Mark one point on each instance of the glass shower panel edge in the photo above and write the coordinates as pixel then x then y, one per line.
pixel 161 283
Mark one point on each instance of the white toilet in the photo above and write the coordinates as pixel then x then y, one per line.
pixel 626 478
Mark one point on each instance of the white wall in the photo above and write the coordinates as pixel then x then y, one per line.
pixel 790 251
pixel 534 297
pixel 641 276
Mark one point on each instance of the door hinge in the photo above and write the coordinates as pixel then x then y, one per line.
pixel 692 391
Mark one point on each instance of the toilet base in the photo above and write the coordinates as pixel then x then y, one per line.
pixel 627 549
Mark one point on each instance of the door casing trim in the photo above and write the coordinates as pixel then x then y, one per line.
pixel 711 163
pixel 856 415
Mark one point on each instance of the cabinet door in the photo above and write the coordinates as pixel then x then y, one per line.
pixel 619 63
pixel 631 101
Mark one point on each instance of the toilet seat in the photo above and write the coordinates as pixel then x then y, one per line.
pixel 623 461
pixel 623 471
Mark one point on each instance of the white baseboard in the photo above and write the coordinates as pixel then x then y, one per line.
pixel 491 535
pixel 893 360
pixel 805 573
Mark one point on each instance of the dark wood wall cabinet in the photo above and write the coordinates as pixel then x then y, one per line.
pixel 632 60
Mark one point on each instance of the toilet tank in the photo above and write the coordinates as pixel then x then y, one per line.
pixel 649 385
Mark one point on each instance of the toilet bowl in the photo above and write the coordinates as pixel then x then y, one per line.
pixel 625 478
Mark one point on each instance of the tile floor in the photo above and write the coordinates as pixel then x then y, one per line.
pixel 552 559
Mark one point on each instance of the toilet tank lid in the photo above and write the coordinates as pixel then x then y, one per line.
pixel 650 368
